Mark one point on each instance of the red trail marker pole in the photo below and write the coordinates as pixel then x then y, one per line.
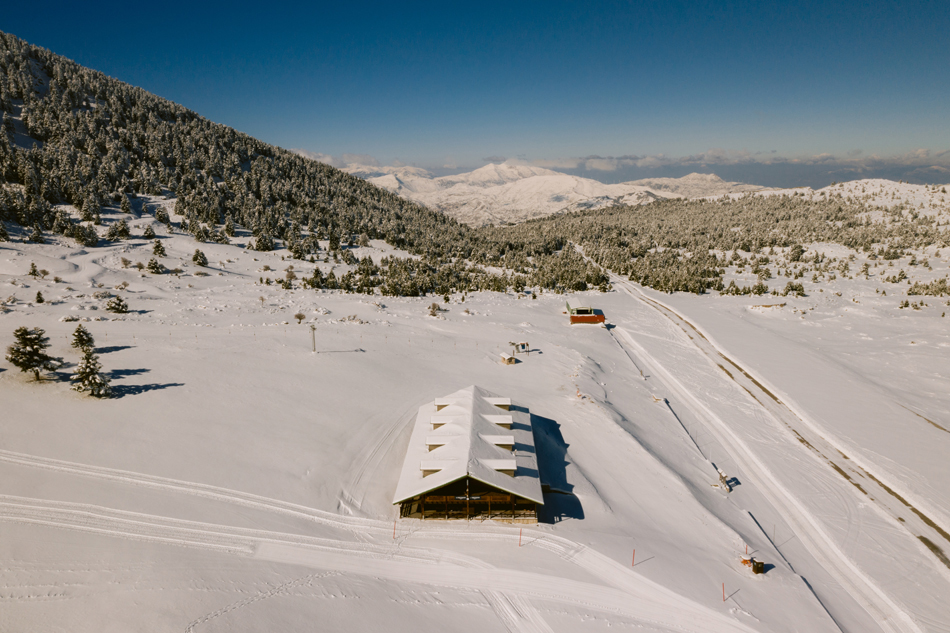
pixel 723 592
pixel 634 561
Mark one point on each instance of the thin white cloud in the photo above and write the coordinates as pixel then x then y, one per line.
pixel 323 158
pixel 360 159
pixel 557 163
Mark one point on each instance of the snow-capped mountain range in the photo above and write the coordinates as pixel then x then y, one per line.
pixel 512 192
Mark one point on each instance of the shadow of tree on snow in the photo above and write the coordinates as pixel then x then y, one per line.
pixel 114 348
pixel 122 373
pixel 120 391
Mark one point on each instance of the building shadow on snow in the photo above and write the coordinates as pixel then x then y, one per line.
pixel 560 502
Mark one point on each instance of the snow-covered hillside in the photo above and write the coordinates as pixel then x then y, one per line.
pixel 512 192
pixel 242 481
pixel 695 185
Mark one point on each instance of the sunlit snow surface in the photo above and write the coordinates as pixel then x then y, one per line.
pixel 514 192
pixel 241 481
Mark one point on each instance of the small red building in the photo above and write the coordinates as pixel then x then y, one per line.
pixel 585 315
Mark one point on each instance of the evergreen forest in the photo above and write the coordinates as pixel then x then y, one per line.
pixel 75 142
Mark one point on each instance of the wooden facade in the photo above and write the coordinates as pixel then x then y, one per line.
pixel 472 500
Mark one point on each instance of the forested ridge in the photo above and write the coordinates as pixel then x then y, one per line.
pixel 73 136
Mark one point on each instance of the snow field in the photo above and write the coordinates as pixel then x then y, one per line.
pixel 241 479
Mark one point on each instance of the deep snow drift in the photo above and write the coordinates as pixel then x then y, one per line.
pixel 240 480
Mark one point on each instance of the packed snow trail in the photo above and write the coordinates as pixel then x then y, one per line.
pixel 643 601
pixel 865 476
pixel 866 593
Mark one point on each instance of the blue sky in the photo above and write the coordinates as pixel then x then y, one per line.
pixel 607 89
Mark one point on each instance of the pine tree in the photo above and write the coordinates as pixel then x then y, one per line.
pixel 88 376
pixel 229 226
pixel 82 339
pixel 155 267
pixel 119 231
pixel 39 297
pixel 4 236
pixel 199 258
pixel 158 249
pixel 37 235
pixel 34 271
pixel 117 305
pixel 28 353
pixel 149 232
pixel 125 205
pixel 264 243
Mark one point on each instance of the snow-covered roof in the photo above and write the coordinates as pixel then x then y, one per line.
pixel 467 434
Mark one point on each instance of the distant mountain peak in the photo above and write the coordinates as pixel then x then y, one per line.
pixel 513 191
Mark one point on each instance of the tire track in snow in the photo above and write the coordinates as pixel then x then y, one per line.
pixel 641 601
pixel 517 614
pixel 206 491
pixel 866 593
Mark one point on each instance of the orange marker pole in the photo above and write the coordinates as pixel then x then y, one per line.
pixel 723 592
pixel 634 561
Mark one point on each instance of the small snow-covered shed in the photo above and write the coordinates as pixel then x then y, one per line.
pixel 471 456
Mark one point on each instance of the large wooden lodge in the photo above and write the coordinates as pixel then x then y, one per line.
pixel 471 456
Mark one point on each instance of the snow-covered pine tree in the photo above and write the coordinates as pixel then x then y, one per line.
pixel 125 205
pixel 82 339
pixel 28 352
pixel 199 258
pixel 88 376
pixel 119 231
pixel 34 271
pixel 155 267
pixel 264 243
pixel 117 305
pixel 149 232
pixel 39 297
pixel 158 249
pixel 37 235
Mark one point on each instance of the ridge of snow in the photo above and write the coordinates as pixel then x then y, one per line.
pixel 510 192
